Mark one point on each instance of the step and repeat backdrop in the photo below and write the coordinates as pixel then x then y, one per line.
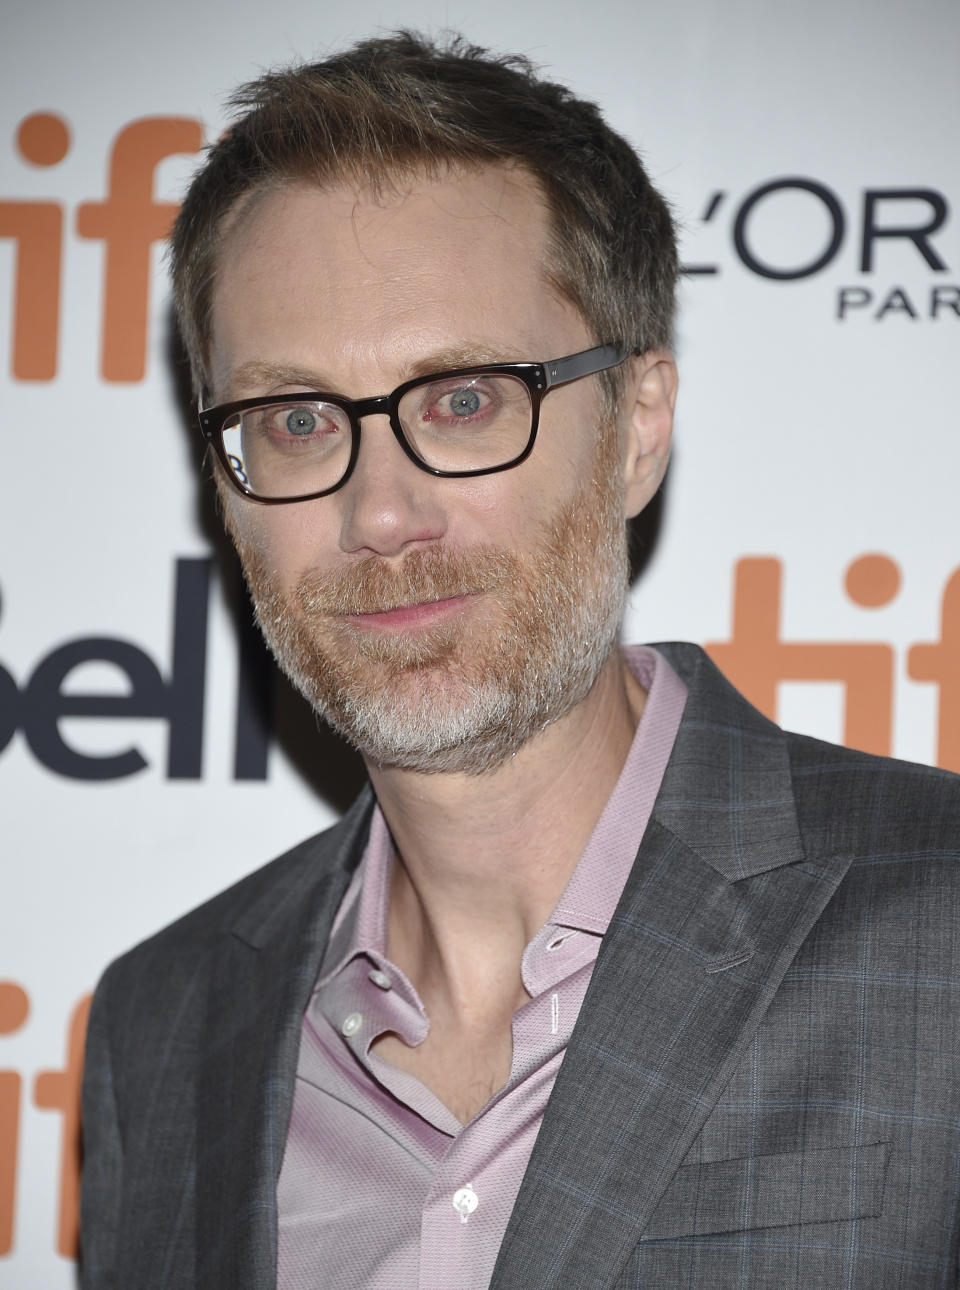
pixel 808 534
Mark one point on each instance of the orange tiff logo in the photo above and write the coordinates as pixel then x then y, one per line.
pixel 757 659
pixel 54 1090
pixel 128 221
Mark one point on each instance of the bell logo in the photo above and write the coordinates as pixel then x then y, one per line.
pixel 128 221
pixel 36 706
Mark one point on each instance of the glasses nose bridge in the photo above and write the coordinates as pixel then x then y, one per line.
pixel 380 405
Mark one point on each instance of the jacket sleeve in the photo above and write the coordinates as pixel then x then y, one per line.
pixel 102 1156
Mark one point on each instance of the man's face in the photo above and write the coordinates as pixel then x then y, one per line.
pixel 438 623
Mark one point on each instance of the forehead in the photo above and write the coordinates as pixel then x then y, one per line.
pixel 426 265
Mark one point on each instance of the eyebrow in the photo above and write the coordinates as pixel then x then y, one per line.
pixel 257 375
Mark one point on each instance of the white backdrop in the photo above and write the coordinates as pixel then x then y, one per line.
pixel 817 426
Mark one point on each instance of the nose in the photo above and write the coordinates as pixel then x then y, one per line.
pixel 388 503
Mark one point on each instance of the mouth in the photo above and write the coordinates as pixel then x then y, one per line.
pixel 405 618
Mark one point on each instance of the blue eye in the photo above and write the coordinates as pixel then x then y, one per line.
pixel 301 421
pixel 464 403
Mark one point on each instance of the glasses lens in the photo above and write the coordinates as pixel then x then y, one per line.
pixel 288 449
pixel 471 421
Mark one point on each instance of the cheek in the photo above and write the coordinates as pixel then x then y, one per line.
pixel 284 542
pixel 502 510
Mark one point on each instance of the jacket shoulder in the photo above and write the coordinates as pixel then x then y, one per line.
pixel 851 802
pixel 744 792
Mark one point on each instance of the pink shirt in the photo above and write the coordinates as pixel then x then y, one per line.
pixel 382 1188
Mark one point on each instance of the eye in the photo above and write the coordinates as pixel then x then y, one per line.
pixel 301 421
pixel 456 402
pixel 464 403
pixel 294 426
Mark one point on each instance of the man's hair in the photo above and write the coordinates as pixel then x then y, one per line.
pixel 403 106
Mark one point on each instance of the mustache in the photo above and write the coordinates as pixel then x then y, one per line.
pixel 376 585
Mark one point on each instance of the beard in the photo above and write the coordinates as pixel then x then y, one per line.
pixel 466 694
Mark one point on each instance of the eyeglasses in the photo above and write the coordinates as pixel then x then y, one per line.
pixel 470 421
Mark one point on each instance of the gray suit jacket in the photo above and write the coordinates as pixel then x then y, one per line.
pixel 762 1089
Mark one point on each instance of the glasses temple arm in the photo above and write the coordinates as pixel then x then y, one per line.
pixel 571 368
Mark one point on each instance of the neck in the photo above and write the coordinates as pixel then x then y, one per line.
pixel 483 859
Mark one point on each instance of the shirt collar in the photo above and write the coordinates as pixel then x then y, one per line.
pixel 594 887
pixel 360 926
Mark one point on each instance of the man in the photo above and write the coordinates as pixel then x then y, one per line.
pixel 605 981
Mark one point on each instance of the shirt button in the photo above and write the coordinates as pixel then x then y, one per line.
pixel 381 979
pixel 351 1024
pixel 465 1201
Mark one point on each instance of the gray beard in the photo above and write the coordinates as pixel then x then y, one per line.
pixel 440 701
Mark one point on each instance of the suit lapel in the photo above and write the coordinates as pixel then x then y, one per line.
pixel 717 905
pixel 260 981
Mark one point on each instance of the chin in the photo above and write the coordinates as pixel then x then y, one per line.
pixel 454 705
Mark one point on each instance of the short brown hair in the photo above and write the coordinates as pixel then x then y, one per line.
pixel 403 105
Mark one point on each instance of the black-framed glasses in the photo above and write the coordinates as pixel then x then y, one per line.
pixel 469 421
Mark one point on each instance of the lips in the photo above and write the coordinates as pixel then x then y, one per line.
pixel 410 616
pixel 426 586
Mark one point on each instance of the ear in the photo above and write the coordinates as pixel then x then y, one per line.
pixel 647 407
